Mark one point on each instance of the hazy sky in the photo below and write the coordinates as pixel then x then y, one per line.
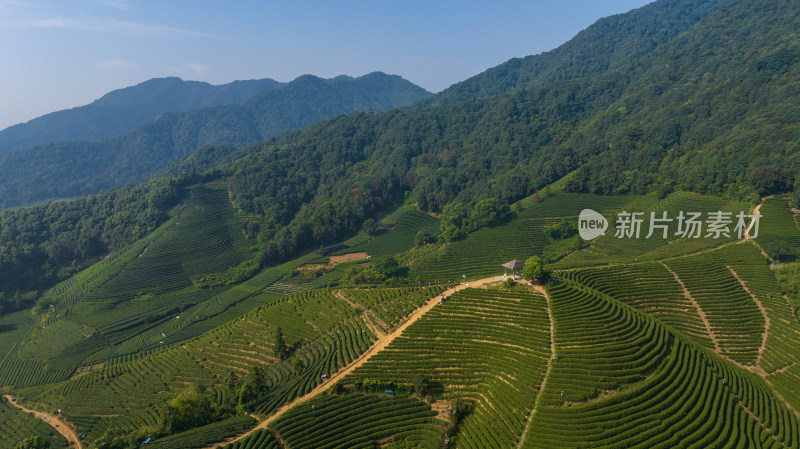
pixel 58 54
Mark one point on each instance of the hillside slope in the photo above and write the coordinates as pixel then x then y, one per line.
pixel 121 110
pixel 587 361
pixel 707 111
pixel 67 169
pixel 605 46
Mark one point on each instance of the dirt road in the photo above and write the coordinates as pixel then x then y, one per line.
pixel 53 420
pixel 753 220
pixel 378 346
pixel 542 386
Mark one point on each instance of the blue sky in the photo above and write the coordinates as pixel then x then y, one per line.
pixel 63 53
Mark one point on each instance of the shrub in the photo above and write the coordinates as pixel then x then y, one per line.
pixel 370 226
pixel 423 238
pixel 562 230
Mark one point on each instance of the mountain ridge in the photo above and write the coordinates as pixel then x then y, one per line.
pixel 82 168
pixel 603 46
pixel 122 109
pixel 610 132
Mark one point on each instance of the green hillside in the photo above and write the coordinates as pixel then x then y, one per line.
pixel 16 426
pixel 73 168
pixel 481 358
pixel 603 47
pixel 127 302
pixel 340 286
pixel 625 128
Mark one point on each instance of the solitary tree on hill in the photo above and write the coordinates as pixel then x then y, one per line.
pixel 534 269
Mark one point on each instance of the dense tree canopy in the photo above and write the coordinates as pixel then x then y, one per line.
pixel 67 169
pixel 711 107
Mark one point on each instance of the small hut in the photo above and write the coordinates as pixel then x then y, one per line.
pixel 515 266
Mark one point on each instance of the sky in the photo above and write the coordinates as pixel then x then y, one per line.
pixel 58 54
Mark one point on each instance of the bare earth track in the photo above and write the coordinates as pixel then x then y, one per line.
pixel 541 290
pixel 377 347
pixel 53 420
pixel 697 307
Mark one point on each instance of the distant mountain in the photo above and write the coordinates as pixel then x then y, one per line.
pixel 67 169
pixel 124 109
pixel 608 44
pixel 716 110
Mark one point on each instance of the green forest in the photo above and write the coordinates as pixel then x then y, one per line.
pixel 721 120
pixel 65 169
pixel 357 263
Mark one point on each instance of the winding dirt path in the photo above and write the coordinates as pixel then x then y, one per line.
pixel 753 220
pixel 767 321
pixel 541 290
pixel 53 420
pixel 750 227
pixel 697 307
pixel 366 314
pixel 379 345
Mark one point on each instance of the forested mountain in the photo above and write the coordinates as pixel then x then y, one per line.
pixel 246 296
pixel 67 169
pixel 607 45
pixel 123 109
pixel 714 110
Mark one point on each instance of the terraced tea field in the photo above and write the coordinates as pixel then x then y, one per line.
pixel 16 426
pixel 400 237
pixel 662 391
pixel 656 345
pixel 360 421
pixel 651 288
pixel 609 248
pixel 473 345
pixel 569 205
pixel 260 439
pixel 482 253
pixel 328 331
pixel 128 302
pixel 778 227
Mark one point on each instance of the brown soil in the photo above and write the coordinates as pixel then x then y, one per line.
pixel 54 421
pixel 333 261
pixel 377 347
pixel 351 257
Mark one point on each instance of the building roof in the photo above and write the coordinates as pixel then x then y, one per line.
pixel 514 265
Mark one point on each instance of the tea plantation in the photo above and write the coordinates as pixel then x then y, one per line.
pixel 631 344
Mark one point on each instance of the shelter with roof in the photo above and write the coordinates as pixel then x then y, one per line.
pixel 515 266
